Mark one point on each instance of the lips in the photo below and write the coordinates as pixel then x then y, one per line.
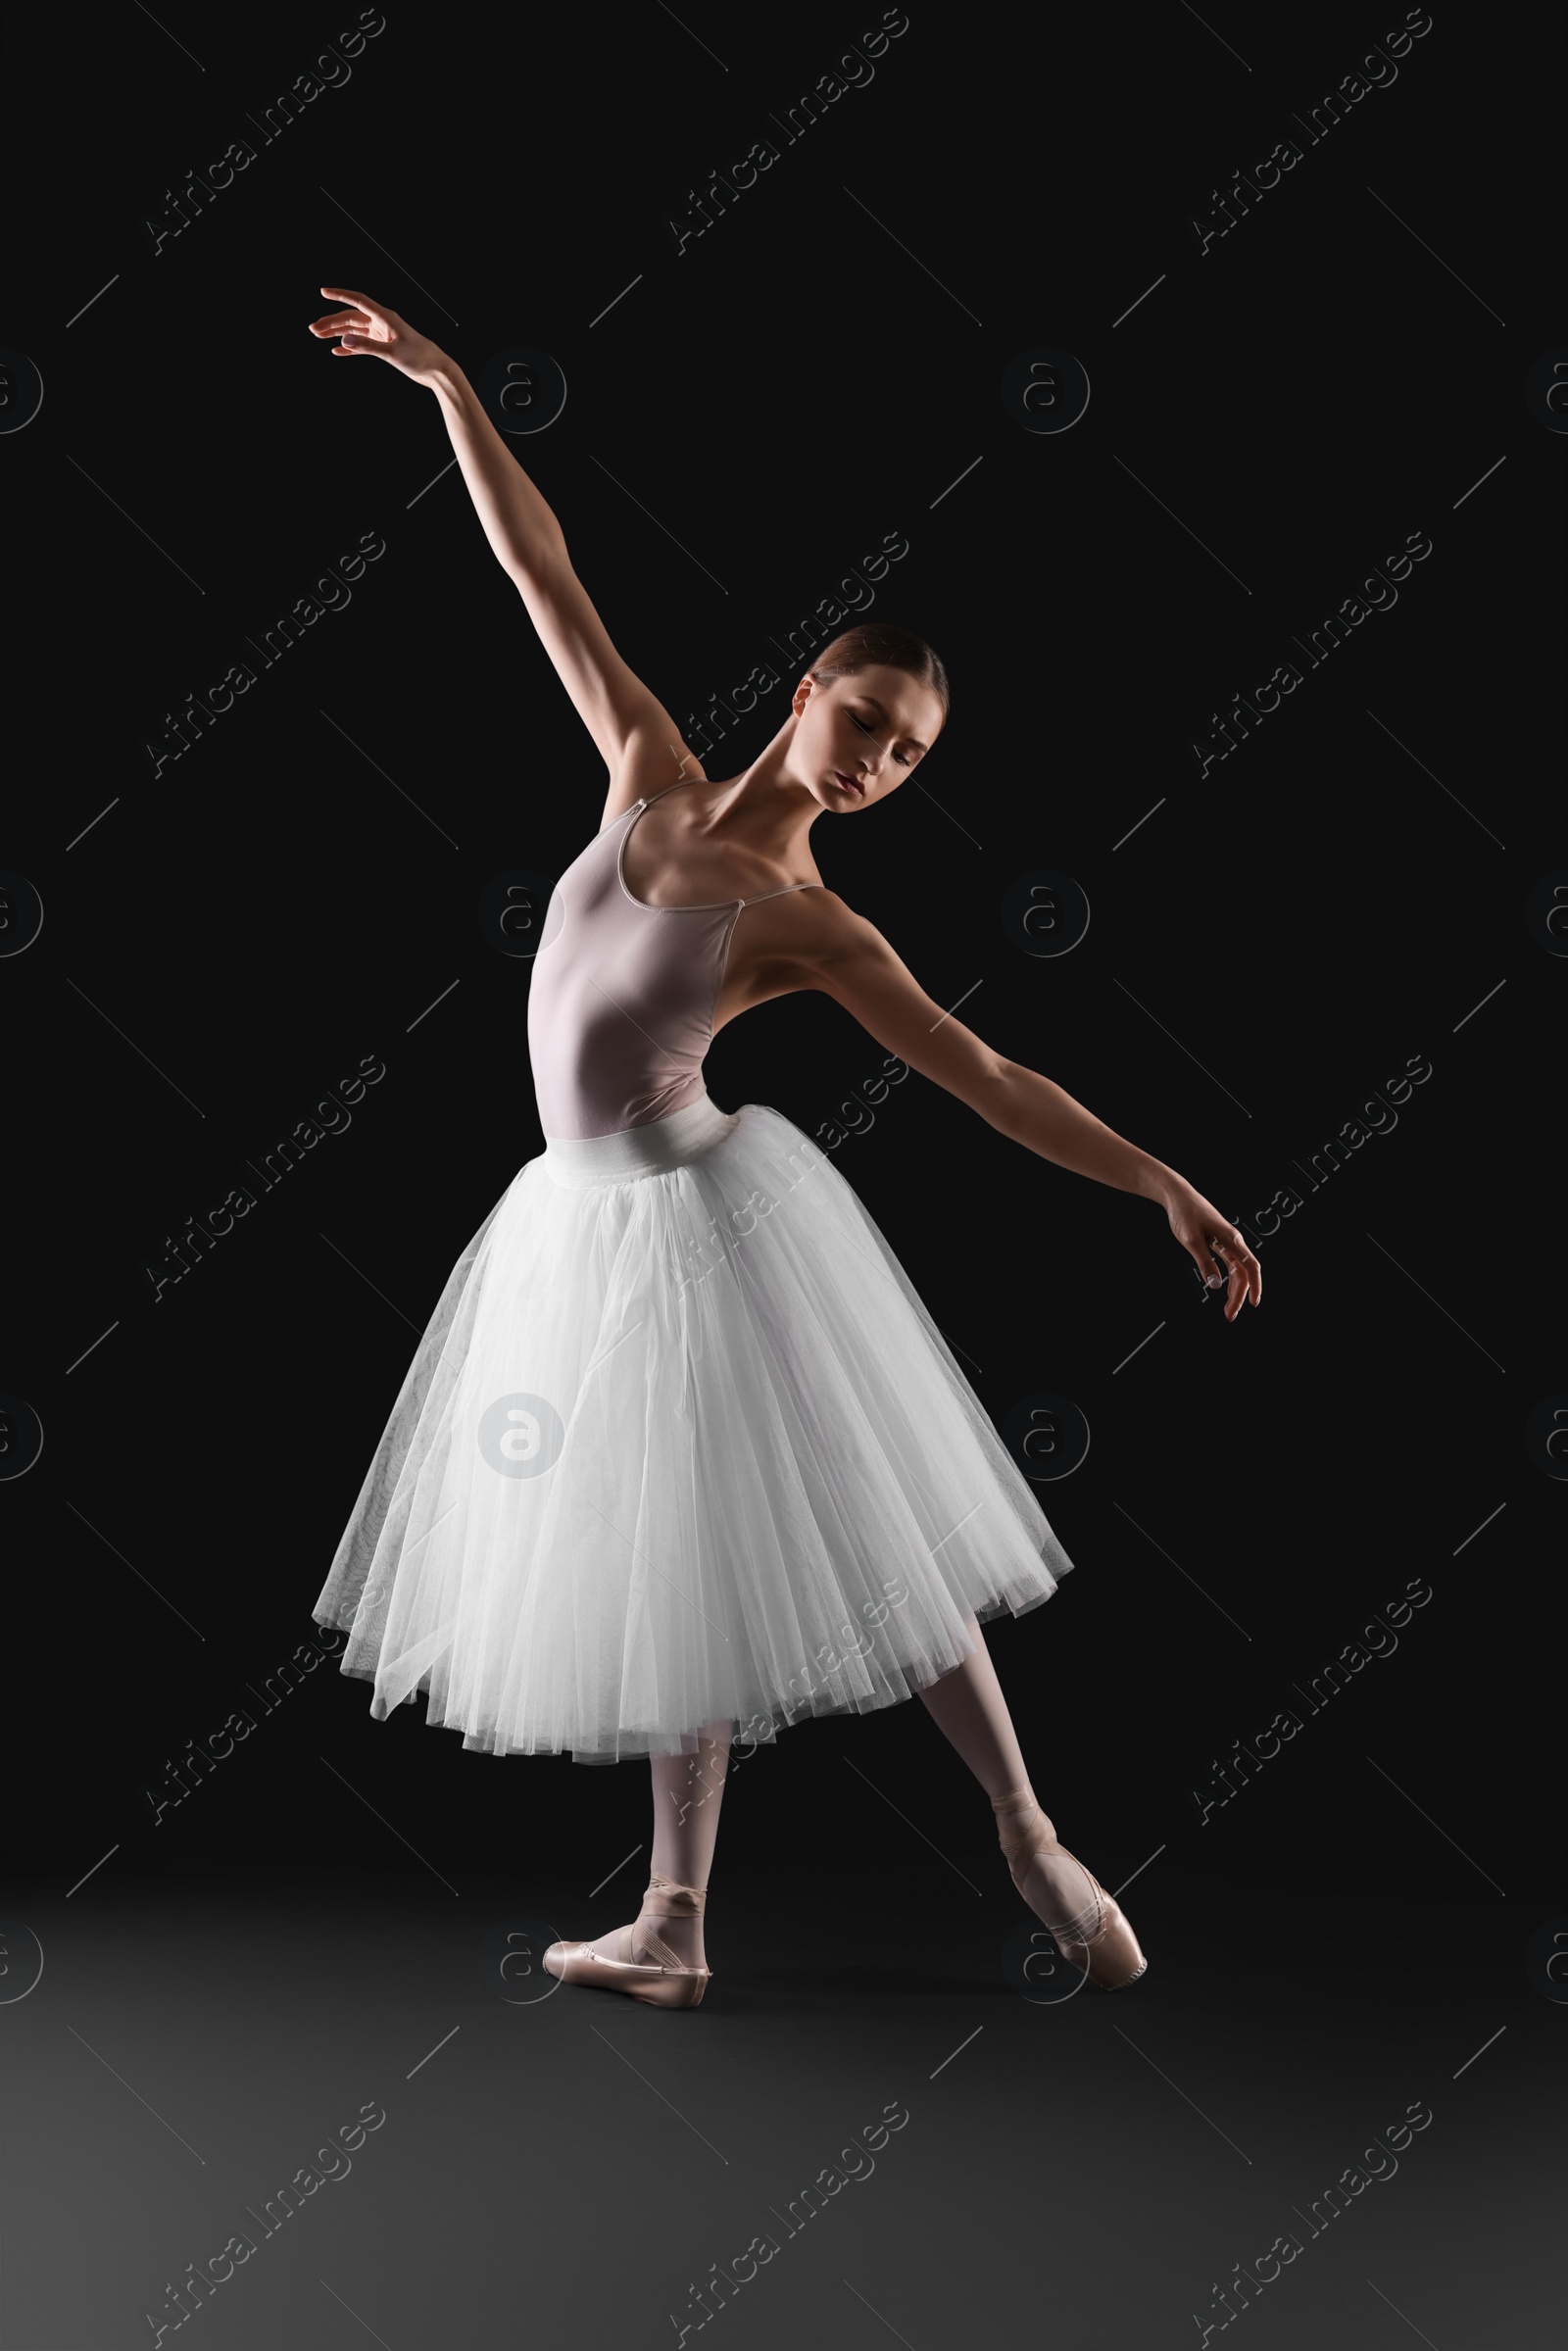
pixel 848 783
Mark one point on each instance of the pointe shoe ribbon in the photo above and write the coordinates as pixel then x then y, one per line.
pixel 1102 1932
pixel 666 1899
pixel 662 1981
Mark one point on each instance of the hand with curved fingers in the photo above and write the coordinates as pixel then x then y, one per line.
pixel 369 331
pixel 1205 1236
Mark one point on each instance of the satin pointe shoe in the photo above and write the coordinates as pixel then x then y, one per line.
pixel 660 1980
pixel 1096 1939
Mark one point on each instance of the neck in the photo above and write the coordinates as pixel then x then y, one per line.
pixel 764 806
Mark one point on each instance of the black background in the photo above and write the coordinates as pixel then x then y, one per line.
pixel 223 944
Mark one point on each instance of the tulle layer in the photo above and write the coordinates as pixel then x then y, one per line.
pixel 677 1447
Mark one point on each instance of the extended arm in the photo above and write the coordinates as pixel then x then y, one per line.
pixel 636 737
pixel 849 960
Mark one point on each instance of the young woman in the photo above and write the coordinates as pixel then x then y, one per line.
pixel 681 1451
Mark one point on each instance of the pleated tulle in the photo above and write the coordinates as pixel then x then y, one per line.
pixel 679 1448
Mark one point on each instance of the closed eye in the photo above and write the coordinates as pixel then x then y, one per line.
pixel 900 756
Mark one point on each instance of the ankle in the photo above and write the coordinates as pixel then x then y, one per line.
pixel 681 1936
pixel 672 1913
pixel 1018 1808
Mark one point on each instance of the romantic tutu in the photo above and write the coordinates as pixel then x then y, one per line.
pixel 680 1444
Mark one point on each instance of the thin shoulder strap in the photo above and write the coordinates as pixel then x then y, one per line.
pixel 784 892
pixel 649 798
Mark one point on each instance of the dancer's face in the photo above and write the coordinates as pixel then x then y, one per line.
pixel 858 737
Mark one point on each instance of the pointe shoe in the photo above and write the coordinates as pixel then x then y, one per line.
pixel 660 1982
pixel 1097 1940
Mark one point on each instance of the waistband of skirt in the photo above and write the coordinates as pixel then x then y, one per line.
pixel 581 1160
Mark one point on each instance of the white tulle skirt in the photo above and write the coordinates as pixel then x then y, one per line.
pixel 680 1444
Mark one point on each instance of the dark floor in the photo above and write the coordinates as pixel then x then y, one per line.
pixel 562 2166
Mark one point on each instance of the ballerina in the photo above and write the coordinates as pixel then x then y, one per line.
pixel 682 1458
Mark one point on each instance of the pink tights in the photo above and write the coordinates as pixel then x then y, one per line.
pixel 969 1709
pixel 966 1705
pixel 688 1791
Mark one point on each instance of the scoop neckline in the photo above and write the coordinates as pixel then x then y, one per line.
pixel 712 906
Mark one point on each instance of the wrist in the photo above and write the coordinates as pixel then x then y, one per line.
pixel 1160 1182
pixel 445 378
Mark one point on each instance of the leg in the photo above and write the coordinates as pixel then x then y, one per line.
pixel 1088 1925
pixel 688 1791
pixel 969 1709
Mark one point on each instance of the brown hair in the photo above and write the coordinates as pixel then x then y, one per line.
pixel 875 641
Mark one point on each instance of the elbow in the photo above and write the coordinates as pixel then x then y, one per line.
pixel 534 568
pixel 994 1093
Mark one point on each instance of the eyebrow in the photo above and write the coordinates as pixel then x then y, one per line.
pixel 914 741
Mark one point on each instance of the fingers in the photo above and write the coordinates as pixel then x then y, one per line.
pixel 1246 1274
pixel 372 314
pixel 363 302
pixel 1205 1262
pixel 1212 1242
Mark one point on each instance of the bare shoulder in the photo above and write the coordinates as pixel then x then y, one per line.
pixel 784 944
pixel 808 938
pixel 813 939
pixel 825 931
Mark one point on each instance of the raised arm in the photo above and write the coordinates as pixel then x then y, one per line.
pixel 848 958
pixel 634 733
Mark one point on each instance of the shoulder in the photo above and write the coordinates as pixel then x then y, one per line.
pixel 816 928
